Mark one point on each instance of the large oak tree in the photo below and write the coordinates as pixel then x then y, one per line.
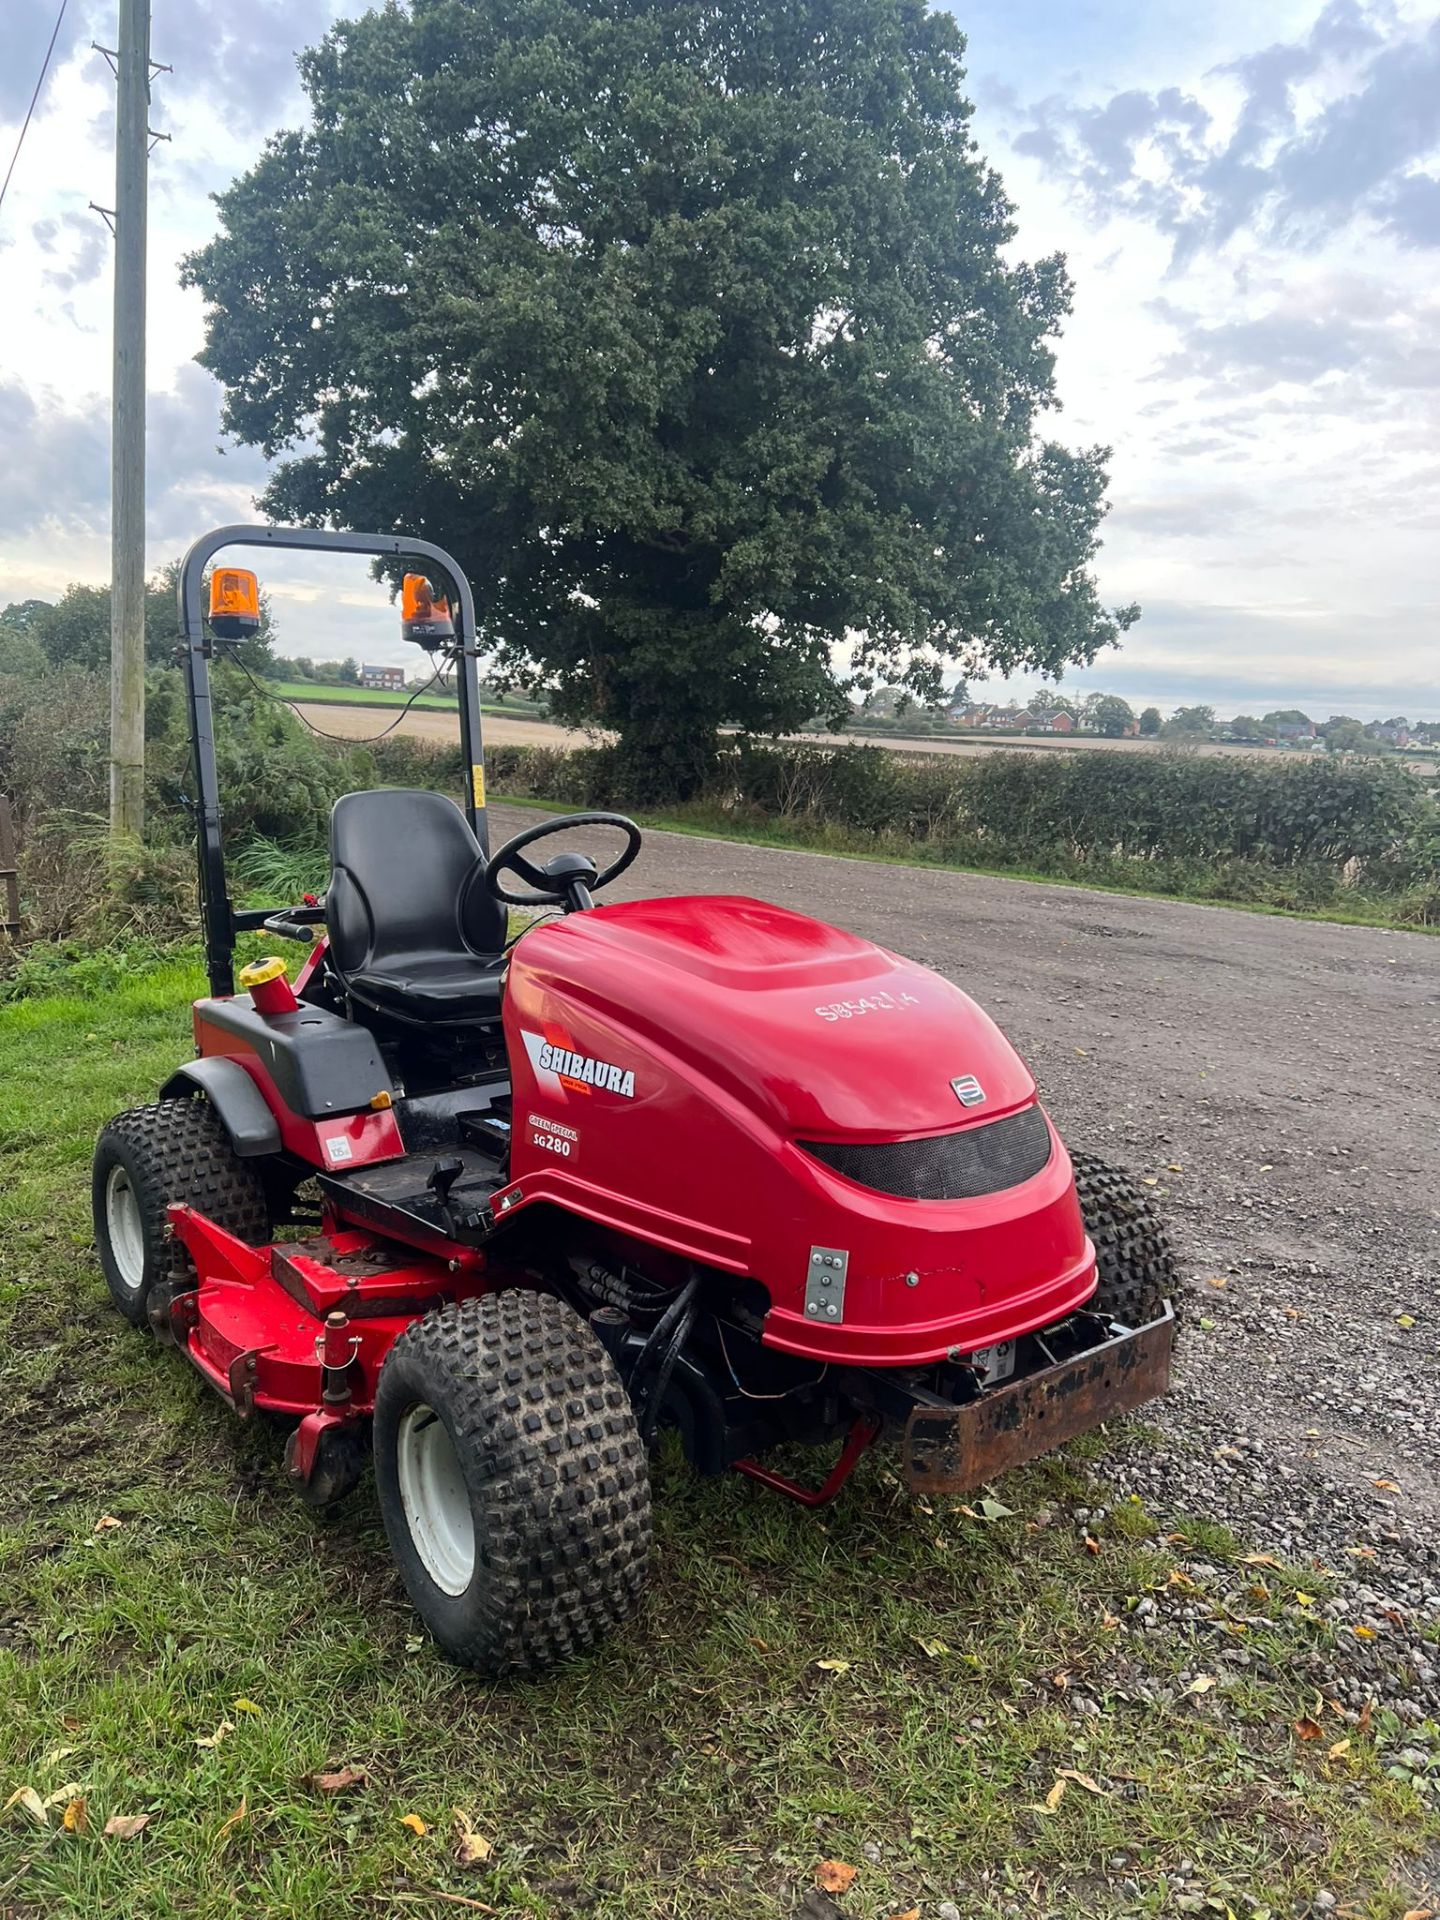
pixel 691 326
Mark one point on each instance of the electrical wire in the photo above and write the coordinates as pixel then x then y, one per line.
pixel 799 1387
pixel 341 739
pixel 44 69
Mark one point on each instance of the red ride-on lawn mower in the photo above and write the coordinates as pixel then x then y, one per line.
pixel 701 1163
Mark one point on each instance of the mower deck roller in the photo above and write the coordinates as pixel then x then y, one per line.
pixel 698 1163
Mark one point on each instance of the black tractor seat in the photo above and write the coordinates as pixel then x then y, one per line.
pixel 414 934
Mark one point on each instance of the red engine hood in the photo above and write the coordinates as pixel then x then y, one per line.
pixel 822 1032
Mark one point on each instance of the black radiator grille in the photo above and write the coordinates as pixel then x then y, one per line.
pixel 946 1166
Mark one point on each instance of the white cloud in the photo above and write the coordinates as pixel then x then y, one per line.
pixel 1250 210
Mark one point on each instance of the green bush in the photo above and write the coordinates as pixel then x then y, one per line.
pixel 1310 834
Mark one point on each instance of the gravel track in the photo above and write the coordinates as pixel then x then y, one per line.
pixel 1278 1080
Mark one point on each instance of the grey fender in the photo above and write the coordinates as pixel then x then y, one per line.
pixel 252 1127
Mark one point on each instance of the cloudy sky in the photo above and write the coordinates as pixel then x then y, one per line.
pixel 1252 218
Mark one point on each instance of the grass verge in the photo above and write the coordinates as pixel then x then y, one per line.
pixel 966 1709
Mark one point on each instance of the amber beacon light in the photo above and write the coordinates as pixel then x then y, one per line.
pixel 424 614
pixel 234 603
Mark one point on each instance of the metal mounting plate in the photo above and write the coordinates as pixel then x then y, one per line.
pixel 825 1283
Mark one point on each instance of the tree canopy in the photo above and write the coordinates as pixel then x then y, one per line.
pixel 74 631
pixel 1191 721
pixel 1111 715
pixel 692 330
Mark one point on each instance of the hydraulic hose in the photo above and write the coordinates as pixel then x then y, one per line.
pixel 665 1338
pixel 655 1398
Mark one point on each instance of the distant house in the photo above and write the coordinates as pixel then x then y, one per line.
pixel 973 716
pixel 1059 722
pixel 1398 736
pixel 1022 720
pixel 383 679
pixel 1293 729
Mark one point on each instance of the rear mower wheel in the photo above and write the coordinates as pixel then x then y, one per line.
pixel 1136 1260
pixel 512 1481
pixel 147 1160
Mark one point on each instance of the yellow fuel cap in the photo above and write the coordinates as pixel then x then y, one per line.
pixel 259 971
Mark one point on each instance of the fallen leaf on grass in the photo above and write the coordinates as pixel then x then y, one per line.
pixel 834 1876
pixel 1419 1913
pixel 1149 1180
pixel 1309 1729
pixel 1202 1683
pixel 1339 1750
pixel 125 1826
pixel 30 1800
pixel 1084 1780
pixel 1092 1545
pixel 992 1509
pixel 416 1825
pixel 910 1913
pixel 472 1849
pixel 1362 1632
pixel 212 1740
pixel 242 1705
pixel 1260 1560
pixel 935 1648
pixel 1406 1320
pixel 1386 1486
pixel 106 1522
pixel 337 1780
pixel 1304 1599
pixel 76 1817
pixel 237 1819
pixel 1056 1794
pixel 833 1666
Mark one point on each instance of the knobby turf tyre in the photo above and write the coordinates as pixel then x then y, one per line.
pixel 1136 1260
pixel 536 1471
pixel 149 1159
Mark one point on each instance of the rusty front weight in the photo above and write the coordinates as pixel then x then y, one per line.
pixel 952 1451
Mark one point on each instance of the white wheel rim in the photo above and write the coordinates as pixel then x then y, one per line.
pixel 436 1499
pixel 124 1229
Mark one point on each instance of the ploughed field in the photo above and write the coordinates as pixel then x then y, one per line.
pixel 359 720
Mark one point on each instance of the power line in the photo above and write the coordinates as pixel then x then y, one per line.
pixel 44 69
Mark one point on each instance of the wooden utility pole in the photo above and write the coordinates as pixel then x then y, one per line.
pixel 127 432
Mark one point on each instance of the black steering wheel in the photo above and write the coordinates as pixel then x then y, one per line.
pixel 568 879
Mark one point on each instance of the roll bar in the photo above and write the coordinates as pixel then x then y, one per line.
pixel 221 921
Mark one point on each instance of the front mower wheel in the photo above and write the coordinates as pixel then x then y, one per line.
pixel 1136 1260
pixel 149 1159
pixel 512 1481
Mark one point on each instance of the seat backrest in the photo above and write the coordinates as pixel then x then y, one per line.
pixel 406 878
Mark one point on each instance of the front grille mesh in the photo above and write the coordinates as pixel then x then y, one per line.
pixel 946 1166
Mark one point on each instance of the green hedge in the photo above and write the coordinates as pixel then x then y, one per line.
pixel 1311 833
pixel 1320 833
